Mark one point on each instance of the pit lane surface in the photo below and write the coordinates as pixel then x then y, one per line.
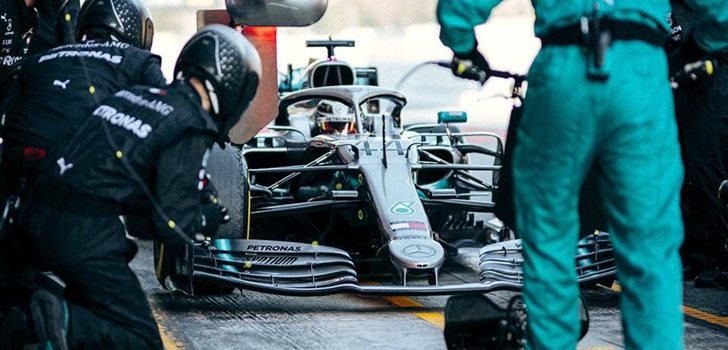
pixel 251 320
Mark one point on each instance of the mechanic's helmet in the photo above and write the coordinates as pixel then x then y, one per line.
pixel 228 65
pixel 335 118
pixel 127 21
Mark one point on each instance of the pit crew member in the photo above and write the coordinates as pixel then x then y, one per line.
pixel 59 88
pixel 701 106
pixel 142 147
pixel 587 108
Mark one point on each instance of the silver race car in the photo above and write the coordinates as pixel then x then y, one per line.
pixel 337 194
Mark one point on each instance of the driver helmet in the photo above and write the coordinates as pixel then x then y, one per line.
pixel 127 21
pixel 335 119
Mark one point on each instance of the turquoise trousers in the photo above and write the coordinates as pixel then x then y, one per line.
pixel 624 127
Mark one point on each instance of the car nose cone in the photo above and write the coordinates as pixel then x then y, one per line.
pixel 417 253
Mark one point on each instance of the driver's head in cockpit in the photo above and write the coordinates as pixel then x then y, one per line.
pixel 334 118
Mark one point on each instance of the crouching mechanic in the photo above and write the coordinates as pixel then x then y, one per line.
pixel 57 91
pixel 142 147
pixel 58 88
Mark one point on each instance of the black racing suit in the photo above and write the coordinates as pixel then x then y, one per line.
pixel 58 90
pixel 16 24
pixel 24 30
pixel 140 139
pixel 61 86
pixel 28 30
pixel 56 24
pixel 702 117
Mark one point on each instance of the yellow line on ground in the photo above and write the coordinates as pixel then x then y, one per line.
pixel 616 287
pixel 168 339
pixel 692 312
pixel 434 318
pixel 404 301
pixel 706 316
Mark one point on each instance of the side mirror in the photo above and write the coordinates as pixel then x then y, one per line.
pixel 279 13
pixel 452 117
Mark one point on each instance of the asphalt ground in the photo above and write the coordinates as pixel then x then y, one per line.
pixel 251 320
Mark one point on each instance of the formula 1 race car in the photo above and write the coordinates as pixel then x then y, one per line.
pixel 327 71
pixel 337 194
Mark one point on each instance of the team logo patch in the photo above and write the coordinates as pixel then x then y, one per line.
pixel 418 251
pixel 402 208
pixel 61 84
pixel 63 167
pixel 128 122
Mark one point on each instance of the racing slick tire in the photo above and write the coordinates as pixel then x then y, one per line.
pixel 166 264
pixel 228 174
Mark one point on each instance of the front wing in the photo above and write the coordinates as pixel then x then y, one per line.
pixel 300 269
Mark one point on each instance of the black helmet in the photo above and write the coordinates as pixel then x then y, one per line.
pixel 229 66
pixel 126 20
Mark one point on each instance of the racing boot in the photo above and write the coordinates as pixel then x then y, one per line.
pixel 50 315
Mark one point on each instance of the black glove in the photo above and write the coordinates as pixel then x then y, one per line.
pixel 693 72
pixel 214 214
pixel 471 65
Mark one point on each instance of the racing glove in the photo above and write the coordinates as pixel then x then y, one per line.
pixel 214 214
pixel 700 64
pixel 693 72
pixel 471 65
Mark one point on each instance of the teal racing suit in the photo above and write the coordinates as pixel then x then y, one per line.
pixel 623 126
